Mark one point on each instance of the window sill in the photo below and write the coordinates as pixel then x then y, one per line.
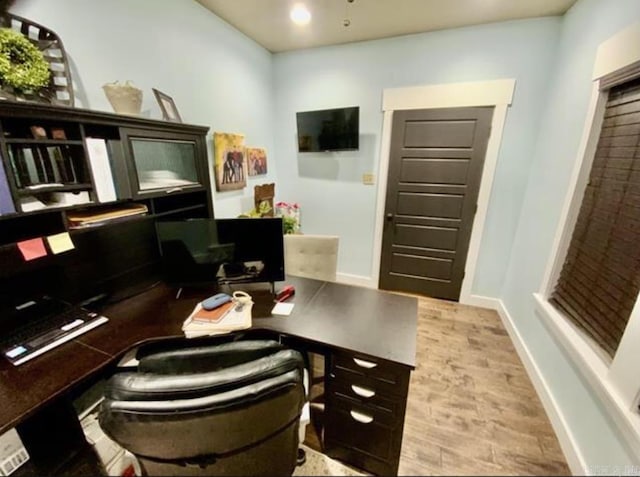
pixel 594 369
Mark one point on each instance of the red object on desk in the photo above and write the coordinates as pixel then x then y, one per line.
pixel 286 293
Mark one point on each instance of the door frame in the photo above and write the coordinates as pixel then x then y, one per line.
pixel 496 93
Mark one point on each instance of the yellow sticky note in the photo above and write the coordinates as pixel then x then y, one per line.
pixel 59 243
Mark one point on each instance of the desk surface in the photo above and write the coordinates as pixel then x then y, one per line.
pixel 359 320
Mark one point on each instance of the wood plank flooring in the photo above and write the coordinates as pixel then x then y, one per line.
pixel 472 409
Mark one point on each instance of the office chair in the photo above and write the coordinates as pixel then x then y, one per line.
pixel 311 256
pixel 224 409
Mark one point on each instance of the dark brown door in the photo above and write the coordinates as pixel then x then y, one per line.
pixel 435 166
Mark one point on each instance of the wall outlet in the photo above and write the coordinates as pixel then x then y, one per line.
pixel 368 179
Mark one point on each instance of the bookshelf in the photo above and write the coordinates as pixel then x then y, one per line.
pixel 60 162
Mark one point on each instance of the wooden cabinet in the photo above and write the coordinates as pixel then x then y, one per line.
pixel 50 171
pixel 54 180
pixel 366 401
pixel 161 163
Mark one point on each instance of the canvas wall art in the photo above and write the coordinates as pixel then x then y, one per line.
pixel 229 166
pixel 256 161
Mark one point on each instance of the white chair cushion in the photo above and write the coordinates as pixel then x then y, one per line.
pixel 311 256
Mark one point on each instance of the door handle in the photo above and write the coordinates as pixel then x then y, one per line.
pixel 360 417
pixel 389 217
pixel 365 364
pixel 363 392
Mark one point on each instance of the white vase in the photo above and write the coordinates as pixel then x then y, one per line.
pixel 124 98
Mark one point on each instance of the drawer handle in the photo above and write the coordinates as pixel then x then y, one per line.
pixel 363 392
pixel 364 364
pixel 174 189
pixel 363 418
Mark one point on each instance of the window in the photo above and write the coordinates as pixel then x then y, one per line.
pixel 600 279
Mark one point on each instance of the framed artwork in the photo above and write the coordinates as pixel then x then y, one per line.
pixel 230 167
pixel 168 107
pixel 256 161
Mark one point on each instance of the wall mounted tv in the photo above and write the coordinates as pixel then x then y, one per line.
pixel 329 130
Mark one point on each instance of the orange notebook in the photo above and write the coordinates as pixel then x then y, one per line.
pixel 213 316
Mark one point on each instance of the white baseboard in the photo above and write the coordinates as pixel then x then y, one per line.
pixel 572 453
pixel 357 280
pixel 481 301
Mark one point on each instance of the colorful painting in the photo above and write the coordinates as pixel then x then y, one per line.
pixel 229 166
pixel 256 161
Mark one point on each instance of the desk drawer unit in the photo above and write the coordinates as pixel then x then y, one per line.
pixel 366 401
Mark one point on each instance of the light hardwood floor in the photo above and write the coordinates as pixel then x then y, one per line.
pixel 472 409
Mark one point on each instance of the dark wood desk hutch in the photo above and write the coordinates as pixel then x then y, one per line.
pixel 47 158
pixel 147 159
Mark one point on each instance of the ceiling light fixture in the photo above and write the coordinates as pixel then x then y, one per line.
pixel 300 15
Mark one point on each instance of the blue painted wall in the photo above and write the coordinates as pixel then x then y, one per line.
pixel 217 76
pixel 329 185
pixel 220 78
pixel 584 27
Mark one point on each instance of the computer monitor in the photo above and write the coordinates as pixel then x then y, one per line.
pixel 206 251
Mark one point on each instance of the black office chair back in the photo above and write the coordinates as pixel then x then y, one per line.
pixel 240 418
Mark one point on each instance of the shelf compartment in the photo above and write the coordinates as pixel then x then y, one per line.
pixel 100 216
pixel 33 129
pixel 52 188
pixel 172 203
pixel 39 164
pixel 24 227
pixel 192 212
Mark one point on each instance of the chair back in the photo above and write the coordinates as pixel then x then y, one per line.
pixel 311 256
pixel 226 409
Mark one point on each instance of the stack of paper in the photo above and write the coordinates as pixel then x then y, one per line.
pixel 231 318
pixel 87 218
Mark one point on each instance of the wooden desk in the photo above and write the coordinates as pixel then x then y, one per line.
pixel 347 322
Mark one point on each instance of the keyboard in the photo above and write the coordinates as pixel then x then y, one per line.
pixel 40 336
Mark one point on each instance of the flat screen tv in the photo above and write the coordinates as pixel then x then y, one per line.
pixel 329 130
pixel 206 251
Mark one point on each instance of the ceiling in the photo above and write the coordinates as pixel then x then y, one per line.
pixel 267 21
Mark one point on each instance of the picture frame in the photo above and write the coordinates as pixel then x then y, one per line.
pixel 168 107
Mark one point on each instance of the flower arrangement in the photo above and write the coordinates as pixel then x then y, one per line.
pixel 290 214
pixel 22 65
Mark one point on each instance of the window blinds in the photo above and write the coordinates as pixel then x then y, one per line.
pixel 600 279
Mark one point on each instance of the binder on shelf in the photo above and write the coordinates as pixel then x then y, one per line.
pixel 6 202
pixel 101 169
pixel 60 168
pixel 46 164
pixel 35 175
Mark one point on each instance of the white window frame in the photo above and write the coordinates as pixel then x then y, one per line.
pixel 616 382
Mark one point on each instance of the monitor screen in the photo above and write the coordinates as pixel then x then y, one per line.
pixel 200 251
pixel 328 129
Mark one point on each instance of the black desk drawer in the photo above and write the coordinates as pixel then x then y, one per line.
pixel 364 412
pixel 365 395
pixel 362 460
pixel 366 437
pixel 360 430
pixel 392 377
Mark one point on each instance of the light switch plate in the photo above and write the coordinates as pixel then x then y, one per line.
pixel 368 179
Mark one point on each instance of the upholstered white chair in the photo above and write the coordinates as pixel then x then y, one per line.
pixel 311 256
